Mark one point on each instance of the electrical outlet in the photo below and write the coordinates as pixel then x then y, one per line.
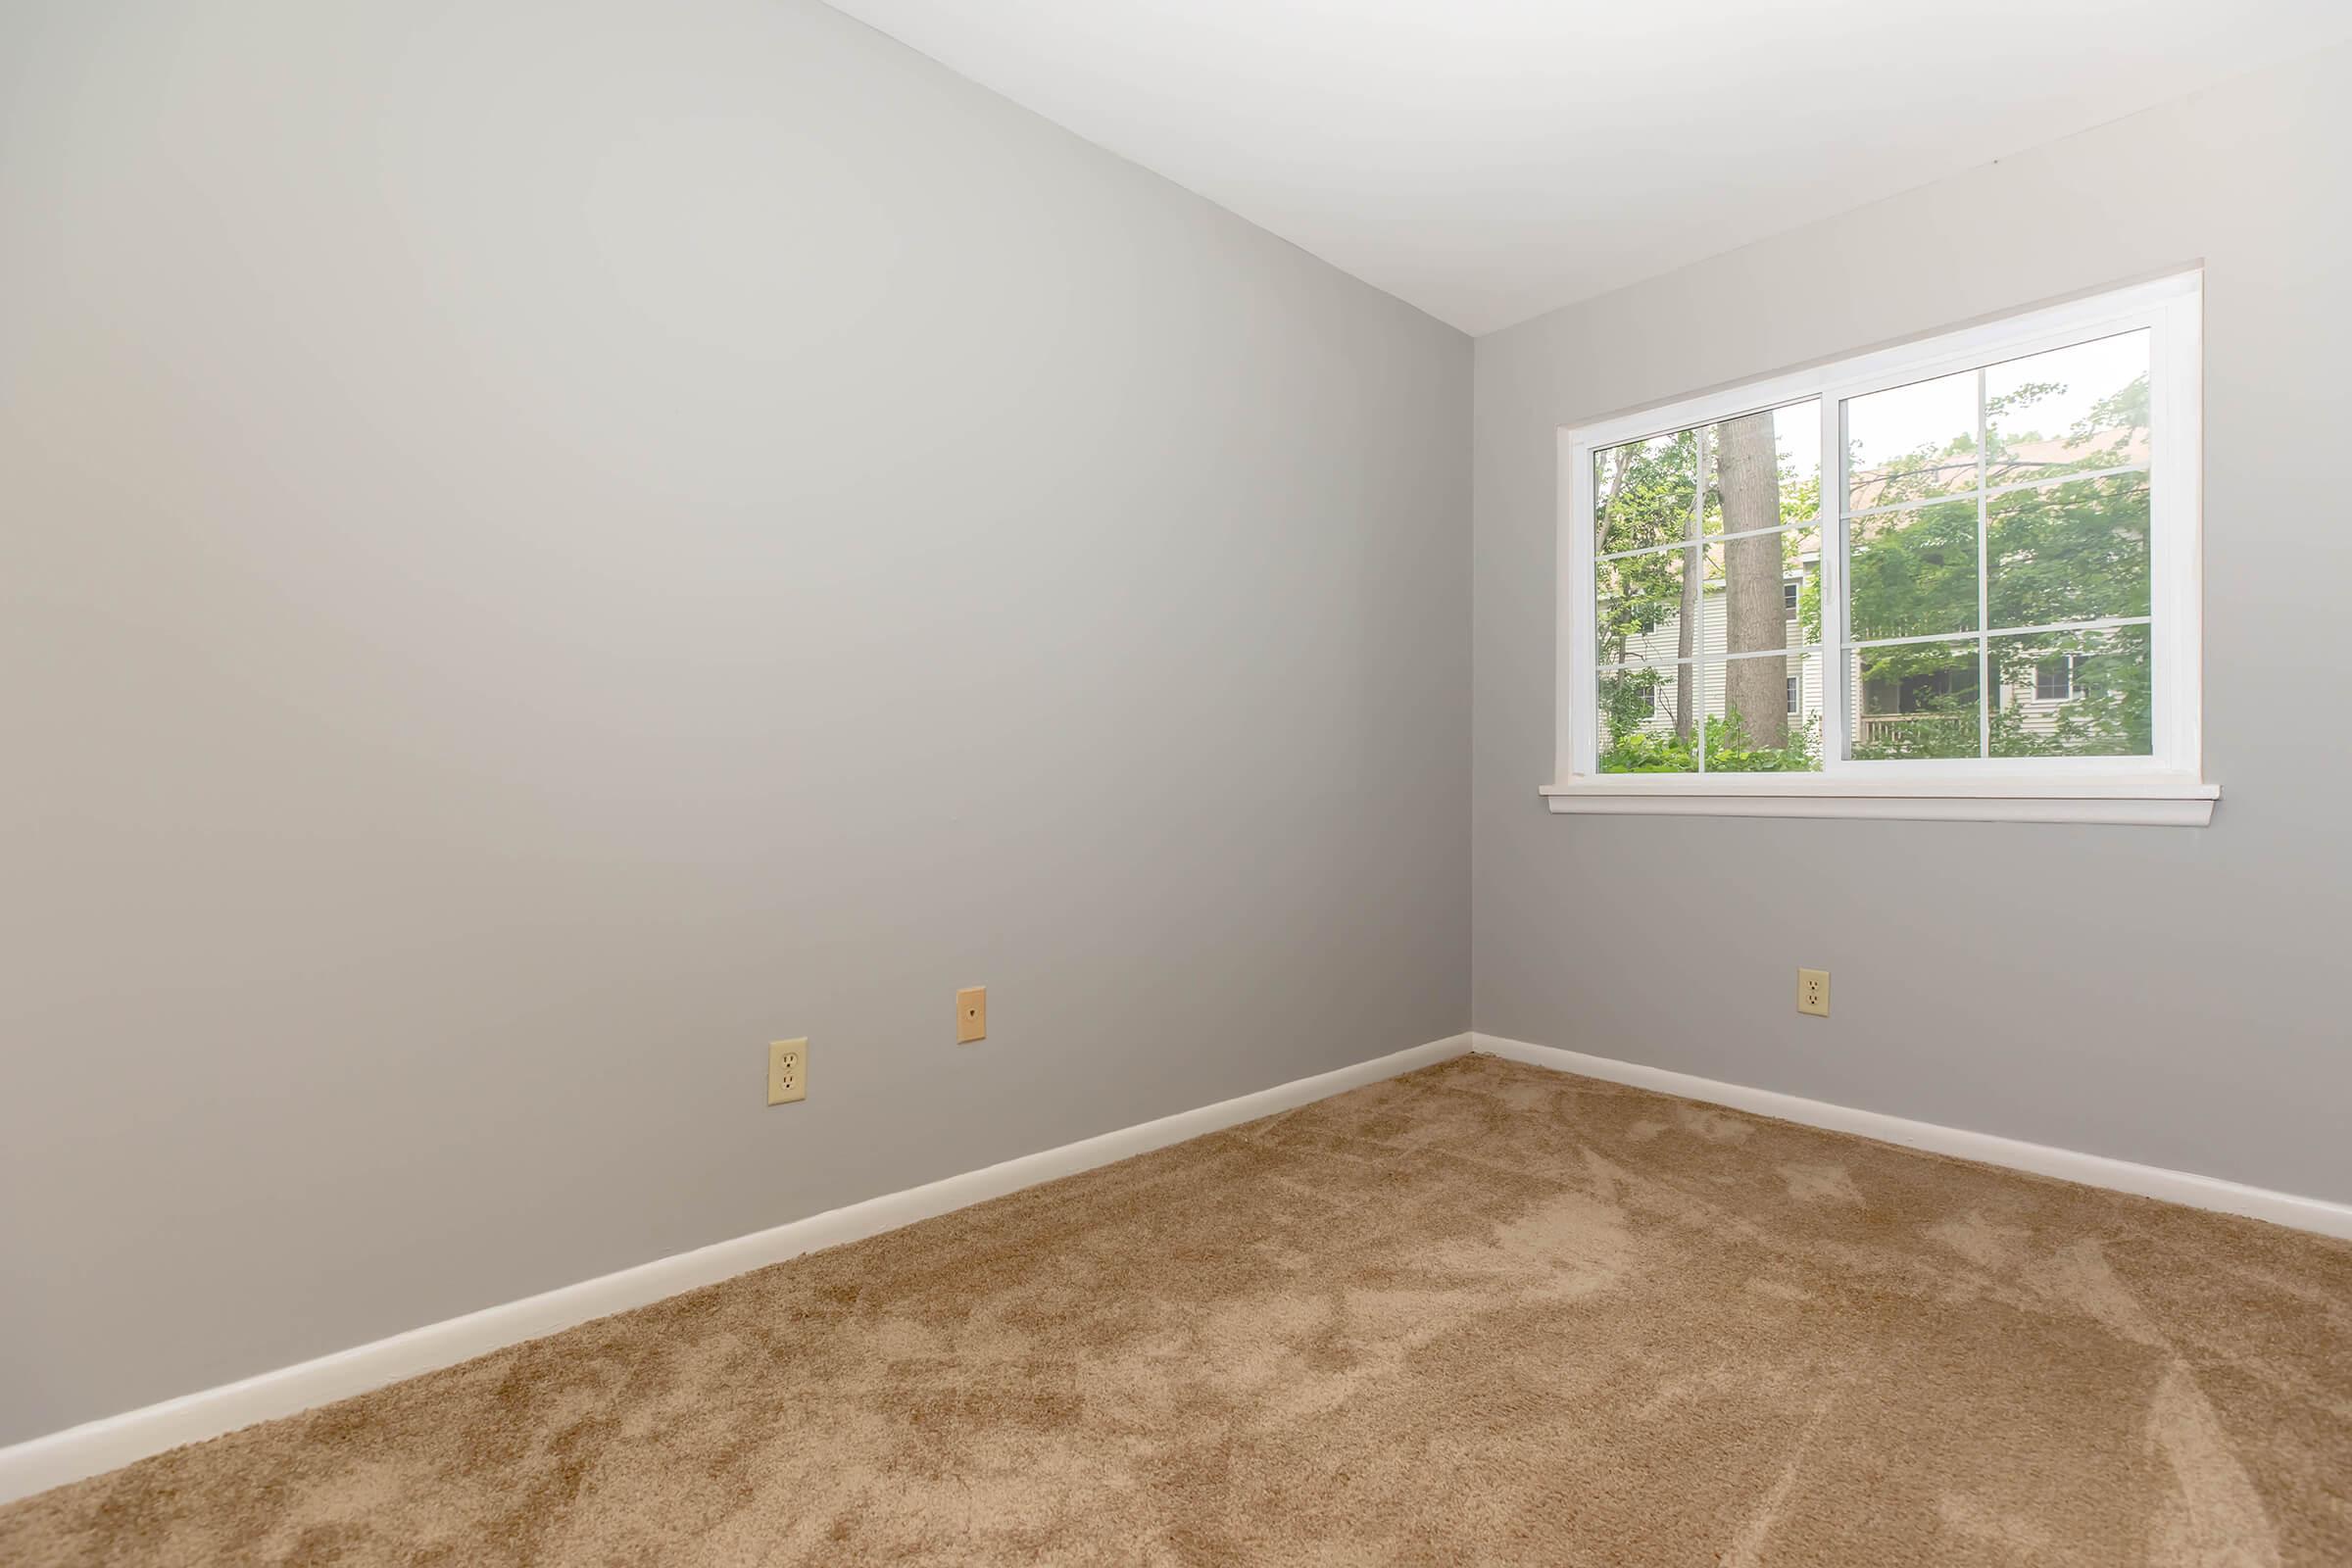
pixel 787 1072
pixel 1813 992
pixel 971 1014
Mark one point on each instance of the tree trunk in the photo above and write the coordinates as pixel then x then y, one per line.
pixel 1755 690
pixel 1686 673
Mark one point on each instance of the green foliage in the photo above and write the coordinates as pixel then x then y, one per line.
pixel 1638 751
pixel 1801 498
pixel 1730 751
pixel 1645 752
pixel 2070 551
pixel 1933 734
pixel 1644 493
pixel 1628 698
pixel 2076 551
pixel 1643 498
pixel 1914 573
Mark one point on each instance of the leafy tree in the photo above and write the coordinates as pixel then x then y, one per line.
pixel 1628 698
pixel 2074 551
pixel 1914 573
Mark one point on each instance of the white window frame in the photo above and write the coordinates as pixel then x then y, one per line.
pixel 2167 787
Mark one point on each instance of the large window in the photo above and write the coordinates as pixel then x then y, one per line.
pixel 1962 572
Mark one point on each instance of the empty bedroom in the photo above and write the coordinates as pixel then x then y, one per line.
pixel 1110 782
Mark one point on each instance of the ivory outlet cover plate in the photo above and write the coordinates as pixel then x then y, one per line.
pixel 1813 992
pixel 787 1072
pixel 971 1014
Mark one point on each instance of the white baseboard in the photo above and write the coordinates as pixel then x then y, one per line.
pixel 2091 1170
pixel 100 1446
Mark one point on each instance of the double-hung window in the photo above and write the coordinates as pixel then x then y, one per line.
pixel 1954 579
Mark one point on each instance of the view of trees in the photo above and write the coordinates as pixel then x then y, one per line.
pixel 2063 486
pixel 1674 498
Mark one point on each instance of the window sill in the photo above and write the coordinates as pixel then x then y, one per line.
pixel 2145 799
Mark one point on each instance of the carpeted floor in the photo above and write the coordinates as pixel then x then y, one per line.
pixel 1483 1313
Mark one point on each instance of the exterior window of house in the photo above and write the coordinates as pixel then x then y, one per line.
pixel 2005 527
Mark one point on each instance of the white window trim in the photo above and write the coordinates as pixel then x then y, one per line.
pixel 2164 788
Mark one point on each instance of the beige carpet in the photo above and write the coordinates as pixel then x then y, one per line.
pixel 1483 1313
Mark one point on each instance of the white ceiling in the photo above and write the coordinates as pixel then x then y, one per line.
pixel 1489 160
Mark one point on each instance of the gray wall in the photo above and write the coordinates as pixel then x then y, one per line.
pixel 545 546
pixel 2169 996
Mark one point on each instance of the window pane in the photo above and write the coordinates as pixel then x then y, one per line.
pixel 1910 442
pixel 2071 410
pixel 2072 693
pixel 1637 614
pixel 1914 700
pixel 1751 727
pixel 1637 708
pixel 1764 470
pixel 1913 574
pixel 2077 550
pixel 1644 493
